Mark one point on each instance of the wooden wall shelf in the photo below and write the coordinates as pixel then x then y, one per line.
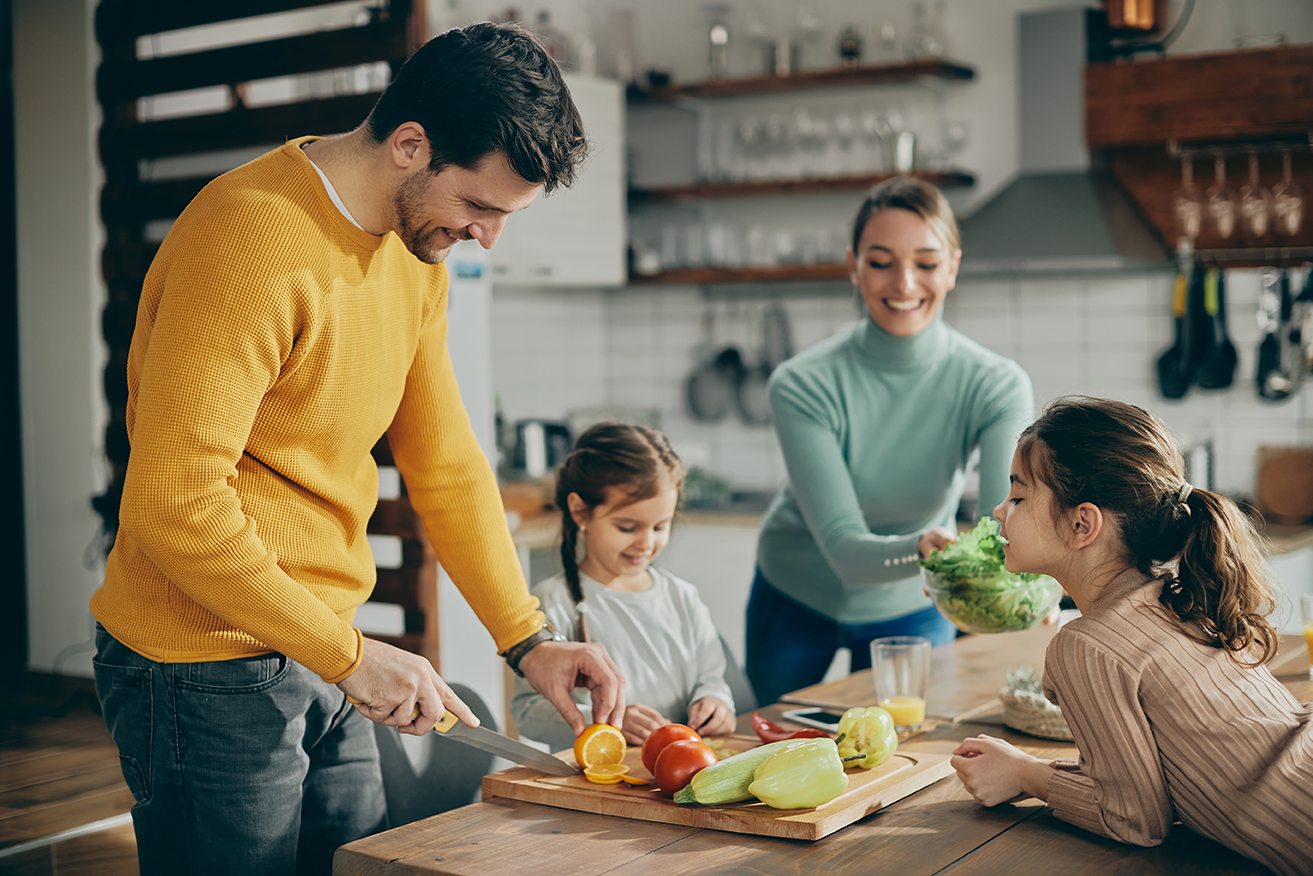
pixel 812 185
pixel 1252 94
pixel 773 274
pixel 837 77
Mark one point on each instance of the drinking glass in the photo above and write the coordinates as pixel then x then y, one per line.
pixel 1287 200
pixel 1307 604
pixel 845 132
pixel 811 134
pixel 1223 204
pixel 926 38
pixel 1188 202
pixel 900 668
pixel 878 134
pixel 1255 202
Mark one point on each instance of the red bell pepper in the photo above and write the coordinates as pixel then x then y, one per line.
pixel 771 732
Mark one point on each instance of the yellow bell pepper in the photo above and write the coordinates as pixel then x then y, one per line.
pixel 866 737
pixel 800 777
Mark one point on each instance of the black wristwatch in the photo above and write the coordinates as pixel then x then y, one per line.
pixel 516 652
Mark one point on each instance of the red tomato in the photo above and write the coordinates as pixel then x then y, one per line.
pixel 663 736
pixel 679 762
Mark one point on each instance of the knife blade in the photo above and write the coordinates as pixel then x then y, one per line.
pixel 503 746
pixel 452 727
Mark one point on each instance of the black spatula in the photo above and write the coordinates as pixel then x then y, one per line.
pixel 1174 362
pixel 1217 370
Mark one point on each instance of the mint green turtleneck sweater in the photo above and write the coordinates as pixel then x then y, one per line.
pixel 878 433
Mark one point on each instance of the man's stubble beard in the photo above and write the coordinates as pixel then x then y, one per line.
pixel 407 203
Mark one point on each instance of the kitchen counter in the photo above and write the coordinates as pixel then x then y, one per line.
pixel 541 531
pixel 1288 539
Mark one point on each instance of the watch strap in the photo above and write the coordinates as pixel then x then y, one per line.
pixel 516 652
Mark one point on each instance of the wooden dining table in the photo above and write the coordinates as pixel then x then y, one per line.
pixel 939 829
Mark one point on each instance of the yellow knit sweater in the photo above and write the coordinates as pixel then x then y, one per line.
pixel 275 343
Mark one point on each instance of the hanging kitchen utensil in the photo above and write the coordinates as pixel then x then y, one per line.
pixel 1198 321
pixel 1292 328
pixel 777 341
pixel 1216 369
pixel 706 391
pixel 1304 319
pixel 1174 362
pixel 1274 308
pixel 752 397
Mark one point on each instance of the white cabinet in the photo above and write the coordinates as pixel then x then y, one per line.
pixel 718 559
pixel 576 236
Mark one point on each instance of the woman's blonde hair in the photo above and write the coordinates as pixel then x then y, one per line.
pixel 1124 460
pixel 916 195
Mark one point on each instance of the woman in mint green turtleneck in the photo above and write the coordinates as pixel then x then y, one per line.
pixel 878 427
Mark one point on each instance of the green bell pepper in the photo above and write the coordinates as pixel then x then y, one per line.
pixel 866 737
pixel 800 777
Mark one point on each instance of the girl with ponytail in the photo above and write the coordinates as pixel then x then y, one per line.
pixel 618 491
pixel 1163 678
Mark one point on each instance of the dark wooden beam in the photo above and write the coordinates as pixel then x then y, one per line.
pixel 129 79
pixel 234 129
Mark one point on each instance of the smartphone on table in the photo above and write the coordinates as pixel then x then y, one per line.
pixel 824 719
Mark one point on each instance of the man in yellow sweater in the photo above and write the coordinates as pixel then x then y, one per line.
pixel 295 313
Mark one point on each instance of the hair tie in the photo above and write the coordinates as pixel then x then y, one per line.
pixel 1185 492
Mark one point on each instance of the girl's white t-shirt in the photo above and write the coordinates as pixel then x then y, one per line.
pixel 662 639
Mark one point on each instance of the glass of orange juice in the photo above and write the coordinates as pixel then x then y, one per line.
pixel 1307 601
pixel 900 667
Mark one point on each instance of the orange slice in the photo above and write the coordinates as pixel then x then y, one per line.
pixel 634 780
pixel 606 774
pixel 599 744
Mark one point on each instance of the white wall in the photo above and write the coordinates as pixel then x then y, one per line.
pixel 60 296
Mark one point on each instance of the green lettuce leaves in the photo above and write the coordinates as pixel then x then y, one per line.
pixel 970 586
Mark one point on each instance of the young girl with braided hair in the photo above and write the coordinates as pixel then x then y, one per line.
pixel 618 491
pixel 1163 678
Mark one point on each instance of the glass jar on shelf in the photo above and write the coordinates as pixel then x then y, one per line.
pixel 926 38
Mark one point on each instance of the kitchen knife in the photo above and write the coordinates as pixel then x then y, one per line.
pixel 503 746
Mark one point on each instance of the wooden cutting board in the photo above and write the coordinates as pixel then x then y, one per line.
pixel 868 791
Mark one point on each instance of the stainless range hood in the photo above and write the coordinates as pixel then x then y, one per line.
pixel 1061 214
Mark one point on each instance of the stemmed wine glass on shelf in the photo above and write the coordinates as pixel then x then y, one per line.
pixel 1287 200
pixel 1223 204
pixel 1188 202
pixel 1255 202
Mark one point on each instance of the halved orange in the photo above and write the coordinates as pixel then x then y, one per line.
pixel 599 744
pixel 606 774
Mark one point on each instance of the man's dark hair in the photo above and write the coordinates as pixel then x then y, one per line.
pixel 484 88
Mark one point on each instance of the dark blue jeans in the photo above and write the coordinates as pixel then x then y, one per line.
pixel 789 646
pixel 249 767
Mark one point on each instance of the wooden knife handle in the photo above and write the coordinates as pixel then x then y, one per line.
pixel 442 726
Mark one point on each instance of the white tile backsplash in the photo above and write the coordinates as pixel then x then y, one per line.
pixel 561 349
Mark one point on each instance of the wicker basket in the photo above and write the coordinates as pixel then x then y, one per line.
pixel 1026 709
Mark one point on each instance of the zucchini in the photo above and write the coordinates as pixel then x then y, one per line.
pixel 728 780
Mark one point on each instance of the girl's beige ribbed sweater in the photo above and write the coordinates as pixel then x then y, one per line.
pixel 1172 729
pixel 275 343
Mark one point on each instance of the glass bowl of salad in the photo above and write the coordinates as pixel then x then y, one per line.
pixel 969 585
